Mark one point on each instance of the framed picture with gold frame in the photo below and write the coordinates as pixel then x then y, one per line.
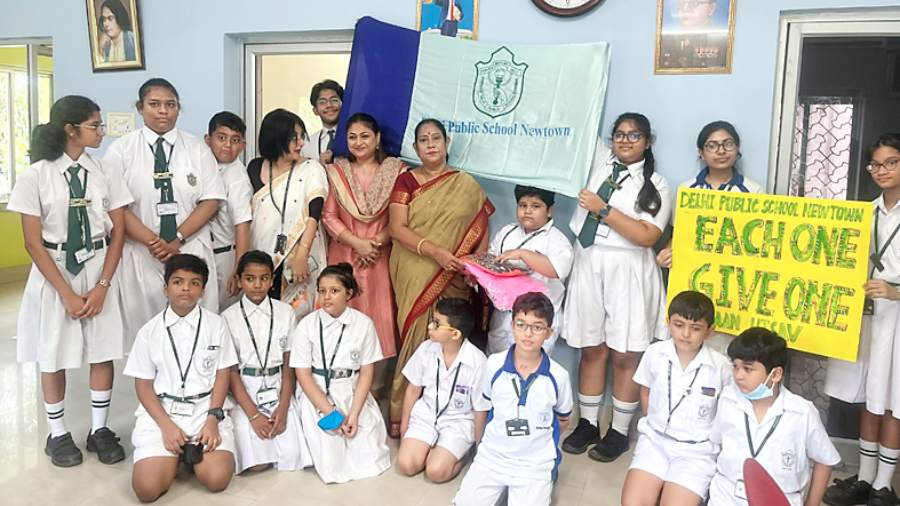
pixel 453 18
pixel 114 30
pixel 694 36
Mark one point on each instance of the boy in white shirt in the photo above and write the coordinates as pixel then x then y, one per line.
pixel 534 242
pixel 681 379
pixel 230 227
pixel 326 99
pixel 529 397
pixel 438 425
pixel 759 418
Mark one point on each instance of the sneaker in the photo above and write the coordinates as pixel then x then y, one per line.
pixel 847 492
pixel 583 436
pixel 613 444
pixel 883 497
pixel 62 451
pixel 106 444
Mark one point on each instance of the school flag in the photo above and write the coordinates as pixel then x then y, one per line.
pixel 794 265
pixel 527 114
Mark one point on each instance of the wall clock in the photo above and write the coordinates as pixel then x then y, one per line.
pixel 566 8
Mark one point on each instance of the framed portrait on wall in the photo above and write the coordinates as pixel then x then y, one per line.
pixel 453 18
pixel 694 36
pixel 114 29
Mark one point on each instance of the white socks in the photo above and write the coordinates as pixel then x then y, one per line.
pixel 589 407
pixel 868 460
pixel 623 412
pixel 887 462
pixel 99 408
pixel 55 421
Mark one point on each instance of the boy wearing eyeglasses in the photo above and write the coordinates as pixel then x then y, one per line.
pixel 438 424
pixel 230 227
pixel 530 400
pixel 326 99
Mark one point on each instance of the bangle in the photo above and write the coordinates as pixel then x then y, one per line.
pixel 257 415
pixel 419 246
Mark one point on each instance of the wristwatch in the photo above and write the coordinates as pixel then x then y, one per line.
pixel 219 413
pixel 103 282
pixel 179 236
pixel 603 213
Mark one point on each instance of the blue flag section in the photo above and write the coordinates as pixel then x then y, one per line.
pixel 527 114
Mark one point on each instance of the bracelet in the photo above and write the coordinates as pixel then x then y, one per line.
pixel 419 246
pixel 257 415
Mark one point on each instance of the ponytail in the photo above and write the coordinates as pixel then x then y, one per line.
pixel 648 198
pixel 48 141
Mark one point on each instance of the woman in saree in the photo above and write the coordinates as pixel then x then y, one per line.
pixel 287 207
pixel 356 218
pixel 437 215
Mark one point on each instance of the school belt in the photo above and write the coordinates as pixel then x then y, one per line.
pixel 184 399
pixel 258 371
pixel 685 441
pixel 334 373
pixel 223 249
pixel 98 244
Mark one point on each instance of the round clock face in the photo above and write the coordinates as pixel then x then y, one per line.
pixel 566 7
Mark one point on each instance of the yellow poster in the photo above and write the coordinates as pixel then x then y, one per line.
pixel 794 265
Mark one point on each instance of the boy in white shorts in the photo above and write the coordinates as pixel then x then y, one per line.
pixel 681 379
pixel 180 363
pixel 438 425
pixel 530 400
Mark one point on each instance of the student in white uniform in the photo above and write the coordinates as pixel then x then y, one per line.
pixel 334 350
pixel 180 362
pixel 615 304
pixel 438 425
pixel 326 99
pixel 530 400
pixel 230 227
pixel 759 418
pixel 875 376
pixel 176 188
pixel 74 228
pixel 681 379
pixel 267 419
pixel 536 243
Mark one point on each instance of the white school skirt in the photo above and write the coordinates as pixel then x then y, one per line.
pixel 615 296
pixel 339 459
pixel 224 267
pixel 48 336
pixel 287 451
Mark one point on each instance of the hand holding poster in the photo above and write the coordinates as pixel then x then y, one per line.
pixel 794 265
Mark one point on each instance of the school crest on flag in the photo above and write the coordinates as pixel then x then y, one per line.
pixel 499 83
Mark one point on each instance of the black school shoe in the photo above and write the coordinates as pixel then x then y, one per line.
pixel 583 436
pixel 62 451
pixel 848 492
pixel 613 444
pixel 106 444
pixel 883 497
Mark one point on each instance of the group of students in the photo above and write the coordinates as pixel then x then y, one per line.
pixel 181 215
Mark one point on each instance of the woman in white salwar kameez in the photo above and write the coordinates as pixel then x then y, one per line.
pixel 333 352
pixel 175 182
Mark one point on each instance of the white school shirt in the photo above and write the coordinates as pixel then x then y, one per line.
pixel 888 220
pixel 152 357
pixel 548 241
pixel 317 144
pixel 195 173
pixel 695 390
pixel 797 442
pixel 235 208
pixel 535 456
pixel 623 200
pixel 359 345
pixel 427 366
pixel 42 190
pixel 259 318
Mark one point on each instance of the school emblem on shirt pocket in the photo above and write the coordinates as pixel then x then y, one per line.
pixel 788 459
pixel 209 361
pixel 703 412
pixel 282 342
pixel 192 179
pixel 459 403
pixel 354 358
pixel 105 204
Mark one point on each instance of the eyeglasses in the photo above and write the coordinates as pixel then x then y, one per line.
pixel 713 146
pixel 435 325
pixel 889 165
pixel 631 136
pixel 97 127
pixel 322 102
pixel 234 141
pixel 535 328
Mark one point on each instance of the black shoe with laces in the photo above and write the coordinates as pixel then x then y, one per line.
pixel 62 451
pixel 583 436
pixel 613 444
pixel 106 444
pixel 883 497
pixel 847 492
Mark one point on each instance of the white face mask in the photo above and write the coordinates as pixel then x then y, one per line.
pixel 762 391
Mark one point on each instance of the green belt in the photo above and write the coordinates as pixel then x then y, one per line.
pixel 257 371
pixel 184 399
pixel 98 244
pixel 223 249
pixel 334 373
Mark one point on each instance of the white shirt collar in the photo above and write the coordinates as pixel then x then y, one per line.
pixel 251 307
pixel 635 169
pixel 879 205
pixel 64 162
pixel 150 136
pixel 547 226
pixel 171 318
pixel 345 318
pixel 466 354
pixel 786 401
pixel 702 358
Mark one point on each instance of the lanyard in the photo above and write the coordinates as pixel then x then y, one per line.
pixel 756 452
pixel 168 159
pixel 437 389
pixel 523 396
pixel 287 189
pixel 262 363
pixel 683 394
pixel 80 216
pixel 187 369
pixel 876 257
pixel 328 367
pixel 530 237
pixel 83 182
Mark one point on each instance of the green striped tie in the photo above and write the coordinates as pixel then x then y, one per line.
pixel 589 229
pixel 79 227
pixel 167 227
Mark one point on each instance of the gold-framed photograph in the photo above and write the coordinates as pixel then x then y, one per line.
pixel 694 36
pixel 114 29
pixel 453 18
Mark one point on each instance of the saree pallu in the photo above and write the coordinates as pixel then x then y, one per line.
pixel 452 212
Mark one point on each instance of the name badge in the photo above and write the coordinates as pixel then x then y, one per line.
pixel 869 306
pixel 517 427
pixel 603 230
pixel 739 491
pixel 280 244
pixel 181 408
pixel 266 396
pixel 83 255
pixel 167 208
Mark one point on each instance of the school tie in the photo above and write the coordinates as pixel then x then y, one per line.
pixel 610 184
pixel 330 140
pixel 167 226
pixel 79 228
